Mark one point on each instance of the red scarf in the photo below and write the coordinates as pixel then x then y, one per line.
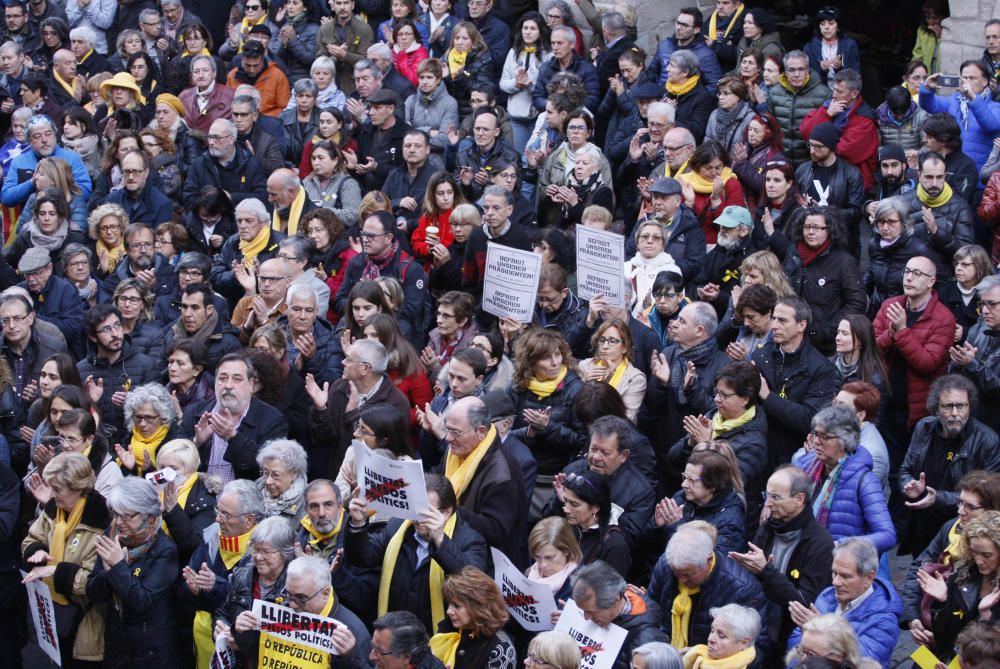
pixel 808 255
pixel 375 264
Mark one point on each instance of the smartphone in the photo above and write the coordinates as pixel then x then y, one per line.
pixel 54 442
pixel 644 138
pixel 949 81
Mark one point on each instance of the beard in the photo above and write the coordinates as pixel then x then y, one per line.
pixel 727 242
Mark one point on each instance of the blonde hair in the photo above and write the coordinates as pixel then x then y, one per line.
pixel 838 632
pixel 769 266
pixel 554 531
pixel 185 451
pixel 985 526
pixel 59 173
pixel 71 471
pixel 465 213
pixel 556 649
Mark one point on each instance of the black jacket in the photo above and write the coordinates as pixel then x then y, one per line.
pixel 693 110
pixel 686 242
pixel 325 366
pixel 166 278
pixel 187 523
pixel 565 435
pixel 223 279
pixel 846 188
pixel 242 178
pixel 22 242
pixel 884 277
pixel 984 371
pixel 386 149
pixel 722 267
pixel 910 592
pixel 298 135
pixel 642 624
pixel 479 68
pixel 570 322
pixel 475 159
pixel 224 339
pixel 225 228
pixel 261 423
pixel 954 221
pixel 131 370
pixel 726 511
pixel 399 185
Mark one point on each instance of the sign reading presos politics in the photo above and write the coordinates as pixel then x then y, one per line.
pixel 292 639
pixel 599 646
pixel 510 282
pixel 600 259
pixel 393 488
pixel 43 614
pixel 530 603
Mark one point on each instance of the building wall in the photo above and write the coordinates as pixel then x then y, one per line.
pixel 962 36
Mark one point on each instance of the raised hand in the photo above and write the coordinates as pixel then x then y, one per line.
pixel 660 367
pixel 933 585
pixel 668 512
pixel 316 394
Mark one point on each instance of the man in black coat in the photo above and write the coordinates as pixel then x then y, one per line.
pixel 142 263
pixel 58 300
pixel 791 554
pixel 199 321
pixel 252 220
pixel 616 37
pixel 226 165
pixel 380 142
pixel 721 269
pixel 406 185
pixel 400 634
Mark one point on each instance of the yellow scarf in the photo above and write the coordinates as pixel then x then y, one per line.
pixel 65 524
pixel 697 658
pixel 245 27
pixel 182 498
pixel 294 214
pixel 317 537
pixel 703 186
pixel 954 549
pixel 252 249
pixel 545 388
pixel 932 202
pixel 678 90
pixel 69 88
pixel 114 254
pixel 713 23
pixel 460 472
pixel 722 426
pixel 231 549
pixel 141 446
pixel 204 52
pixel 619 372
pixel 445 647
pixel 783 80
pixel 390 559
pixel 456 62
pixel 680 170
pixel 680 612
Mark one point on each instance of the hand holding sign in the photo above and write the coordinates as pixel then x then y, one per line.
pixel 599 646
pixel 393 488
pixel 530 603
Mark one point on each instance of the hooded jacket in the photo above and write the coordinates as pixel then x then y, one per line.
pixel 790 107
pixel 979 124
pixel 906 132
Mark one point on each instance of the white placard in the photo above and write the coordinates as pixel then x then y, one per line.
pixel 600 262
pixel 223 657
pixel 43 614
pixel 295 627
pixel 510 282
pixel 393 488
pixel 530 603
pixel 599 646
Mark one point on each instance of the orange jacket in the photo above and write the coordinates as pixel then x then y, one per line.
pixel 272 85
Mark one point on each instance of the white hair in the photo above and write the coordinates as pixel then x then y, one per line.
pixel 85 34
pixel 689 547
pixel 254 206
pixel 134 495
pixel 743 622
pixel 309 566
pixel 288 451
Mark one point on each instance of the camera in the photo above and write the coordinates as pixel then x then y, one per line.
pixel 949 81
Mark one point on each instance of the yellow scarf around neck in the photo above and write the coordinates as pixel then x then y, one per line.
pixel 253 248
pixel 114 254
pixel 232 549
pixel 204 52
pixel 445 647
pixel 697 658
pixel 678 90
pixel 616 377
pixel 436 575
pixel 461 471
pixel 713 23
pixel 69 88
pixel 722 426
pixel 703 186
pixel 680 612
pixel 64 525
pixel 932 202
pixel 294 214
pixel 545 388
pixel 456 61
pixel 317 536
pixel 141 446
pixel 954 549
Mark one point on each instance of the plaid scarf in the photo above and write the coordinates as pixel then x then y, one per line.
pixel 374 265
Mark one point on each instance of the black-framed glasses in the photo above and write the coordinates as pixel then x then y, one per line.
pixel 611 341
pixel 907 271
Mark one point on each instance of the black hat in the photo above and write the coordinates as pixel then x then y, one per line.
pixel 828 13
pixel 253 49
pixel 826 134
pixel 499 403
pixel 260 29
pixel 647 91
pixel 384 96
pixel 892 152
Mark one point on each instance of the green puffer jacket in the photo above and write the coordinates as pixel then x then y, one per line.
pixel 791 107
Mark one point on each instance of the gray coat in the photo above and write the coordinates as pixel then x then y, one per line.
pixel 437 111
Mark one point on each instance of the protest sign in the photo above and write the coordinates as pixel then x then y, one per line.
pixel 530 603
pixel 599 646
pixel 293 639
pixel 43 614
pixel 510 282
pixel 223 657
pixel 393 488
pixel 600 262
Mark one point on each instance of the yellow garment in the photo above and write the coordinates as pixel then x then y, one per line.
pixel 713 23
pixel 932 202
pixel 722 426
pixel 252 249
pixel 69 88
pixel 616 378
pixel 954 549
pixel 445 647
pixel 680 170
pixel 294 214
pixel 276 651
pixel 231 549
pixel 204 52
pixel 697 658
pixel 141 447
pixel 436 572
pixel 246 25
pixel 680 612
pixel 65 524
pixel 460 472
pixel 456 61
pixel 678 90
pixel 114 254
pixel 317 537
pixel 703 186
pixel 204 644
pixel 182 498
pixel 545 388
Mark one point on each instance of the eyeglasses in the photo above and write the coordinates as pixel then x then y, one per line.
pixel 953 407
pixel 577 127
pixel 373 235
pixel 796 69
pixel 822 436
pixel 140 245
pixel 108 329
pixel 969 507
pixel 666 295
pixel 675 148
pixel 241 114
pixel 650 238
pixel 109 228
pixel 383 653
pixel 268 552
pixel 814 228
pixel 608 341
pixel 252 8
pixel 270 279
pixel 690 479
pixel 190 273
pixel 78 264
pixel 724 395
pixel 218 138
pixel 547 300
pixel 535 660
pixel 219 513
pixel 70 440
pixel 907 271
pixel 992 305
pixel 657 124
pixel 445 315
pixel 506 176
pixel 129 299
pixel 124 517
pixel 887 221
pixel 454 432
pixel 133 173
pixel 288 258
pixel 145 419
pixel 773 496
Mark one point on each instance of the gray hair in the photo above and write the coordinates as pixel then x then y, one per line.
pixel 227 124
pixel 247 89
pixel 499 191
pixel 134 495
pixel 478 414
pixel 278 532
pixel 316 484
pixel 743 622
pixel 951 382
pixel 153 394
pixel 861 551
pixel 247 100
pixel 591 151
pixel 686 60
pixel 23 113
pixel 372 353
pixel 689 547
pixel 74 249
pixel 365 64
pixel 661 108
pixel 409 636
pixel 705 316
pixel 563 8
pixel 659 655
pixel 300 246
pixel 323 63
pixel 850 77
pixel 568 33
pixel 305 86
pixel 86 34
pixel 39 120
pixel 149 13
pixel 986 285
pixel 800 483
pixel 170 3
pixel 795 54
pixel 205 59
pixel 251 499
pixel 893 205
pixel 608 426
pixel 841 422
pixel 252 205
pixel 314 568
pixel 11 45
pixel 613 22
pixel 288 451
pixel 603 580
pixel 301 291
pixel 379 50
pixel 838 632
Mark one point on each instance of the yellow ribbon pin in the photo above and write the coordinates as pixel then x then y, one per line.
pixel 794 573
pixel 136 571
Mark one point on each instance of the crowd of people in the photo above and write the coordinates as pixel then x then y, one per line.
pixel 244 250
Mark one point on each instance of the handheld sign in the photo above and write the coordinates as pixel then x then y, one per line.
pixel 600 259
pixel 530 603
pixel 223 657
pixel 43 614
pixel 510 282
pixel 292 639
pixel 393 488
pixel 599 646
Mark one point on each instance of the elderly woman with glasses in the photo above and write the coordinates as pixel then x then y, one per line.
pixel 888 251
pixel 134 576
pixel 650 260
pixel 150 417
pixel 691 96
pixel 843 482
pixel 283 464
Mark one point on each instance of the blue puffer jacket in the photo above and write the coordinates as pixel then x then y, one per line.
pixel 980 126
pixel 875 621
pixel 858 488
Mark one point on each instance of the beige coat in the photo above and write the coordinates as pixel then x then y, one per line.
pixel 632 387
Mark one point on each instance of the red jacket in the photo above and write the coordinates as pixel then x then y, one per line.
pixel 733 195
pixel 924 347
pixel 407 61
pixel 859 139
pixel 989 212
pixel 417 389
pixel 220 105
pixel 418 242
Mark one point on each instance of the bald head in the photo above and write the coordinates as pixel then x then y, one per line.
pixel 467 424
pixel 919 277
pixel 64 62
pixel 282 187
pixel 272 280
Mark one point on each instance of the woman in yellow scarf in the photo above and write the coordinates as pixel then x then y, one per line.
pixel 693 100
pixel 473 631
pixel 710 186
pixel 149 416
pixel 188 500
pixel 730 641
pixel 612 346
pixel 106 225
pixel 468 60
